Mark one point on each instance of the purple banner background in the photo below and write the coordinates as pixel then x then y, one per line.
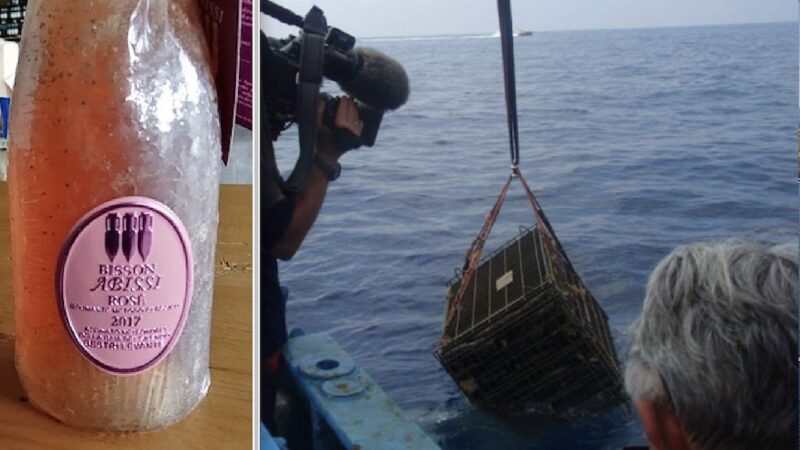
pixel 244 106
pixel 221 20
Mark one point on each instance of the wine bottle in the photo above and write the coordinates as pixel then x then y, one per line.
pixel 114 182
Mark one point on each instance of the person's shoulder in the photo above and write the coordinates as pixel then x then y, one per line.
pixel 272 186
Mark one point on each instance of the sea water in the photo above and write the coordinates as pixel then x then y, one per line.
pixel 635 141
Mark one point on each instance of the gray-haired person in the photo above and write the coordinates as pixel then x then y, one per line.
pixel 712 362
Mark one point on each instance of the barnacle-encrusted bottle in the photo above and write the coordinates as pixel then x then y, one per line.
pixel 113 177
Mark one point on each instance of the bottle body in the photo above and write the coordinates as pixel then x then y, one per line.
pixel 113 100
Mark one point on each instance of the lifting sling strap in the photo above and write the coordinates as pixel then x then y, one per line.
pixel 473 254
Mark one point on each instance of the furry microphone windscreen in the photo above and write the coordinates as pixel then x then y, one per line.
pixel 381 83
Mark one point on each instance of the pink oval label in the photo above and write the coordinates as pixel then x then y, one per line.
pixel 124 284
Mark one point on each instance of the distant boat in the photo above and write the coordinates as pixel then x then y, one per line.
pixel 517 32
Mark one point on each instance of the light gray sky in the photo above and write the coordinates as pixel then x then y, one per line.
pixel 379 18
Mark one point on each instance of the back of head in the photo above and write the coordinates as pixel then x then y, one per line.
pixel 717 344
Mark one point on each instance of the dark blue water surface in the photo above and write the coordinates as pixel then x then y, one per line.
pixel 635 141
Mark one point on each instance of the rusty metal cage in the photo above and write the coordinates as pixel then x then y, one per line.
pixel 529 336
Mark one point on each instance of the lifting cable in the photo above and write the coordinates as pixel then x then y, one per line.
pixel 473 255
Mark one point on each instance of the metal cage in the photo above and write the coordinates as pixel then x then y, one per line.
pixel 529 336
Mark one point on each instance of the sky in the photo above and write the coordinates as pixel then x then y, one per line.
pixel 385 18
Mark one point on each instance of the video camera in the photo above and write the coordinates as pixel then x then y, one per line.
pixel 293 69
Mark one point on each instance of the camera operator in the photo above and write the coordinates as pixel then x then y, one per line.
pixel 286 219
pixel 292 72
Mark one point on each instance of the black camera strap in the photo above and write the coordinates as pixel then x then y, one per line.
pixel 309 79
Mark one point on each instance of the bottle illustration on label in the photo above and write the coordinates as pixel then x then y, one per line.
pixel 112 236
pixel 125 315
pixel 141 227
pixel 145 234
pixel 128 234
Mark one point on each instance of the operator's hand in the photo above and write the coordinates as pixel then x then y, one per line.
pixel 347 116
pixel 346 135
